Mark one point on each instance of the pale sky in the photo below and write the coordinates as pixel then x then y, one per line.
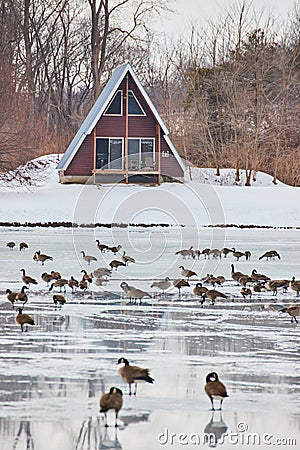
pixel 200 10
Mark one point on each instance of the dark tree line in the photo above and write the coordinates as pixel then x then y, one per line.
pixel 229 92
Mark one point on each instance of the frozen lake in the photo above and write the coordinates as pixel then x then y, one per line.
pixel 52 377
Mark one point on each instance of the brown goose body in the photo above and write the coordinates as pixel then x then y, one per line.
pixel 213 294
pixel 214 389
pixel 271 254
pixel 27 279
pixel 61 283
pixel 246 292
pixel 113 400
pixel 114 264
pixel 115 249
pixel 237 254
pixel 186 252
pixel 11 245
pixel 293 311
pixel 11 296
pixel 22 296
pixel 127 259
pixel 73 283
pixel 295 286
pixel 245 279
pixel 205 252
pixel 187 272
pixel 163 285
pixel 46 277
pixel 101 247
pixel 236 275
pixel 225 251
pixel 38 256
pixel 133 374
pixel 180 283
pixel 273 285
pixel 88 258
pixel 22 246
pixel 59 299
pixel 259 276
pixel 24 319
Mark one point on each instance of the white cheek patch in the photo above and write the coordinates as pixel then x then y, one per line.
pixel 121 365
pixel 212 379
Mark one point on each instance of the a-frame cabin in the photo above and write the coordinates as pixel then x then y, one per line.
pixel 122 139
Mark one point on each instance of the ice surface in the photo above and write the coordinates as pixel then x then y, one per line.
pixel 51 377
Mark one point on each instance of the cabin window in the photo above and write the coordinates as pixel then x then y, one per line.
pixel 134 108
pixel 141 153
pixel 115 106
pixel 109 153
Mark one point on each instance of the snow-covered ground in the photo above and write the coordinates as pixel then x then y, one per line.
pixel 202 201
pixel 51 378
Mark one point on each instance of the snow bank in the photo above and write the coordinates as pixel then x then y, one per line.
pixel 199 202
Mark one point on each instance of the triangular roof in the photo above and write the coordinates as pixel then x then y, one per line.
pixel 100 106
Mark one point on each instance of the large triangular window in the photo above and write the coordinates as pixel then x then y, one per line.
pixel 115 106
pixel 134 108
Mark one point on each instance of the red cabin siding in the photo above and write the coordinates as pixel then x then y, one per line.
pixel 114 126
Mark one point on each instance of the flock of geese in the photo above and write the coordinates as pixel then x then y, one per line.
pixel 130 374
pixel 250 283
pixel 113 400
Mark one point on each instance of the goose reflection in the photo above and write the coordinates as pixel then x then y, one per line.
pixel 24 429
pixel 110 439
pixel 215 429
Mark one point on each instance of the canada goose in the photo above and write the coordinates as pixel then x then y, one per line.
pixel 26 279
pixel 101 271
pixel 115 249
pixel 101 247
pixel 83 284
pixel 213 280
pixel 200 291
pixel 22 296
pixel 259 276
pixel 11 296
pixel 212 294
pixel 73 283
pixel 115 264
pixel 225 251
pixel 126 259
pixel 247 254
pixel 215 252
pixel 259 287
pixel 46 277
pixel 245 279
pixel 295 285
pixel 61 283
pixel 24 319
pixel 237 254
pixel 205 252
pixel 11 245
pixel 180 283
pixel 215 389
pixel 59 299
pixel 88 258
pixel 236 275
pixel 293 311
pixel 42 257
pixel 138 294
pixel 184 252
pixel 220 279
pixel 163 285
pixel 187 273
pixel 86 276
pixel 55 275
pixel 112 400
pixel 133 374
pixel 246 292
pixel 22 246
pixel 126 288
pixel 271 254
pixel 273 285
